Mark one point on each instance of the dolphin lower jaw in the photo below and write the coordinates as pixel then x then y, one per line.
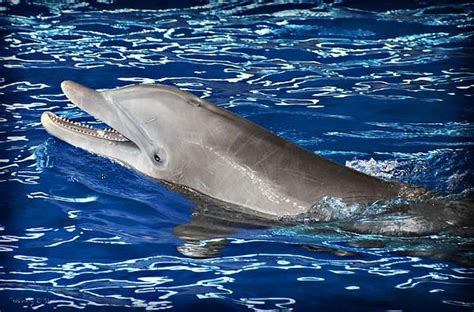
pixel 105 142
pixel 82 129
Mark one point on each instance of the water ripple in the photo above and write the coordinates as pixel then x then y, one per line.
pixel 63 281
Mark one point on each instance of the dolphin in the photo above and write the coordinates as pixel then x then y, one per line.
pixel 176 137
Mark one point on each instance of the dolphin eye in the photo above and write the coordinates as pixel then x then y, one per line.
pixel 156 157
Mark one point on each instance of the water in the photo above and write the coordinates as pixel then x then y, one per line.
pixel 384 88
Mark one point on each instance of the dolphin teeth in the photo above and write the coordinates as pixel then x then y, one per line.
pixel 87 129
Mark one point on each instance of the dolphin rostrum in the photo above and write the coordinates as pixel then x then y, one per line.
pixel 178 138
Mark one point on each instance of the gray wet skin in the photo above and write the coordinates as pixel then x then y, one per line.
pixel 171 135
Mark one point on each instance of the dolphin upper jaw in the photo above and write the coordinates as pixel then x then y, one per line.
pixel 98 105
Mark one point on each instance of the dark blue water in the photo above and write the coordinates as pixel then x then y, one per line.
pixel 385 88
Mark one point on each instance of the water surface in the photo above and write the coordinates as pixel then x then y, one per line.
pixel 383 88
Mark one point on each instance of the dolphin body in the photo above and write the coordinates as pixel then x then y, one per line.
pixel 176 137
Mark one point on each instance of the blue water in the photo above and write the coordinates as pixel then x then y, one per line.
pixel 385 88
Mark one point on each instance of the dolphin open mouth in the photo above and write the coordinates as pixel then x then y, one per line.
pixel 109 134
pixel 90 101
pixel 112 142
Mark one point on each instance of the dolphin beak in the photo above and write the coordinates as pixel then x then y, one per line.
pixel 106 142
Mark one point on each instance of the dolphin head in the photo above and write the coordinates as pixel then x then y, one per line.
pixel 153 127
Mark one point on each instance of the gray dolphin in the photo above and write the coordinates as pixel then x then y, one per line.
pixel 176 137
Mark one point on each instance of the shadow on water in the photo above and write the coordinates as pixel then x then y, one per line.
pixel 434 227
